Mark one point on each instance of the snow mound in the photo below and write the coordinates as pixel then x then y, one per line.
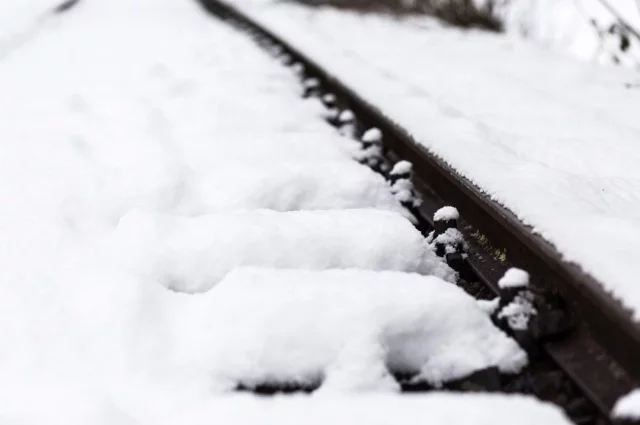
pixel 628 407
pixel 452 240
pixel 289 186
pixel 404 193
pixel 272 148
pixel 514 278
pixel 193 254
pixel 586 29
pixel 346 116
pixel 349 329
pixel 329 98
pixel 374 409
pixel 401 167
pixel 373 135
pixel 519 311
pixel 446 213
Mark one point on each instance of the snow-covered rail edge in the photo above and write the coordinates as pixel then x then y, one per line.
pixel 606 337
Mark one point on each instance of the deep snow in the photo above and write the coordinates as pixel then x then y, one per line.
pixel 350 329
pixel 135 105
pixel 442 408
pixel 551 138
pixel 97 123
pixel 193 254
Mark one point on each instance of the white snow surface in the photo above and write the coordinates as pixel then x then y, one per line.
pixel 346 116
pixel 514 278
pixel 403 191
pixel 118 106
pixel 288 186
pixel 374 409
pixel 566 26
pixel 23 22
pixel 451 238
pixel 349 329
pixel 373 135
pixel 446 213
pixel 552 138
pixel 401 167
pixel 193 254
pixel 628 407
pixel 519 311
pixel 311 83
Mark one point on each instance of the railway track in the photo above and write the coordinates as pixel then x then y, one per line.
pixel 582 343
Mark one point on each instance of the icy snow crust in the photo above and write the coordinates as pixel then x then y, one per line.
pixel 193 254
pixel 551 138
pixel 349 329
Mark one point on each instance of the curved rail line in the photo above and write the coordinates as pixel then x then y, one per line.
pixel 599 353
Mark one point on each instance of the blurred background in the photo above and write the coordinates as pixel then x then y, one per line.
pixel 605 31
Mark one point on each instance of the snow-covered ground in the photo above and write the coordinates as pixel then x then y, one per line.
pixel 177 252
pixel 138 138
pixel 582 28
pixel 468 409
pixel 22 22
pixel 350 329
pixel 552 138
